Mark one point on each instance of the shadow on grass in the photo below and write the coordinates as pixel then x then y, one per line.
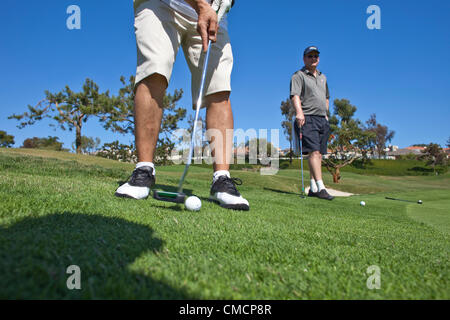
pixel 175 207
pixel 167 188
pixel 280 191
pixel 36 252
pixel 421 169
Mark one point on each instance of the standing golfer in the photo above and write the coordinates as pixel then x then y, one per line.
pixel 310 98
pixel 161 27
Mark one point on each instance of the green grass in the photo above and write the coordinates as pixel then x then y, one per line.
pixel 435 213
pixel 379 167
pixel 58 209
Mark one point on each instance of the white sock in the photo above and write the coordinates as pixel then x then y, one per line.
pixel 219 173
pixel 314 186
pixel 320 185
pixel 146 164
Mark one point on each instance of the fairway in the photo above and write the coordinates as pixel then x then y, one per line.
pixel 436 213
pixel 58 210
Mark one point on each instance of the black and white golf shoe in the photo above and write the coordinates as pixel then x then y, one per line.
pixel 224 192
pixel 323 194
pixel 138 185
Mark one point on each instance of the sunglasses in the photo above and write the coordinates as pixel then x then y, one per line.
pixel 313 56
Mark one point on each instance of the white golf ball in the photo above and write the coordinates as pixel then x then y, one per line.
pixel 362 203
pixel 193 203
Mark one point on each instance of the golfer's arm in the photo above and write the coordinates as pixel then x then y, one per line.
pixel 328 106
pixel 297 103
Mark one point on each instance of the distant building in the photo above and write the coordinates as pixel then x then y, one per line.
pixel 415 149
pixel 284 152
pixel 240 151
pixel 391 148
pixel 405 151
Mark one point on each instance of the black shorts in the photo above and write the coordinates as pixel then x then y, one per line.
pixel 316 132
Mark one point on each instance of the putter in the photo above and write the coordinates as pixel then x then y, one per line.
pixel 179 197
pixel 418 202
pixel 302 194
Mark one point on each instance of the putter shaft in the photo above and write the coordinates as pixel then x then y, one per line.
pixel 301 161
pixel 197 110
pixel 419 202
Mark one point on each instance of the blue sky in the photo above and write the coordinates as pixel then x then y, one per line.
pixel 399 72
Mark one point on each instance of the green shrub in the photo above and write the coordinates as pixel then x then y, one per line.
pixel 393 168
pixel 117 151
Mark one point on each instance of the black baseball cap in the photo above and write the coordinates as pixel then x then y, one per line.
pixel 311 49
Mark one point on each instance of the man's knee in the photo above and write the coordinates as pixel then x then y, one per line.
pixel 315 154
pixel 155 84
pixel 218 97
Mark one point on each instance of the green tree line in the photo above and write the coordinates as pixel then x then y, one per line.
pixel 70 110
pixel 351 139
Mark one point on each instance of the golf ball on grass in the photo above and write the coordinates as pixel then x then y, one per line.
pixel 193 203
pixel 362 203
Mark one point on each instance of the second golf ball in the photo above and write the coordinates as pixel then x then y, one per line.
pixel 193 203
pixel 362 203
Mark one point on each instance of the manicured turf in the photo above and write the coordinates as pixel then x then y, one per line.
pixel 59 210
pixel 379 167
pixel 436 212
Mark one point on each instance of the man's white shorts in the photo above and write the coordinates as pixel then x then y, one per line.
pixel 159 33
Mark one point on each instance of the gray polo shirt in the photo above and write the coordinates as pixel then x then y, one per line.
pixel 313 91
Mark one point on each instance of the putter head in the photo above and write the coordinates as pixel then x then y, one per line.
pixel 303 194
pixel 175 197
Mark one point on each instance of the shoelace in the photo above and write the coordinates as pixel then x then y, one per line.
pixel 232 182
pixel 139 176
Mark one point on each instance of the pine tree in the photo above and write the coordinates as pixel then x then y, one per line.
pixel 69 109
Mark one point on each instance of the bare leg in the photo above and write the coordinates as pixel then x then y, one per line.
pixel 315 165
pixel 219 116
pixel 148 113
